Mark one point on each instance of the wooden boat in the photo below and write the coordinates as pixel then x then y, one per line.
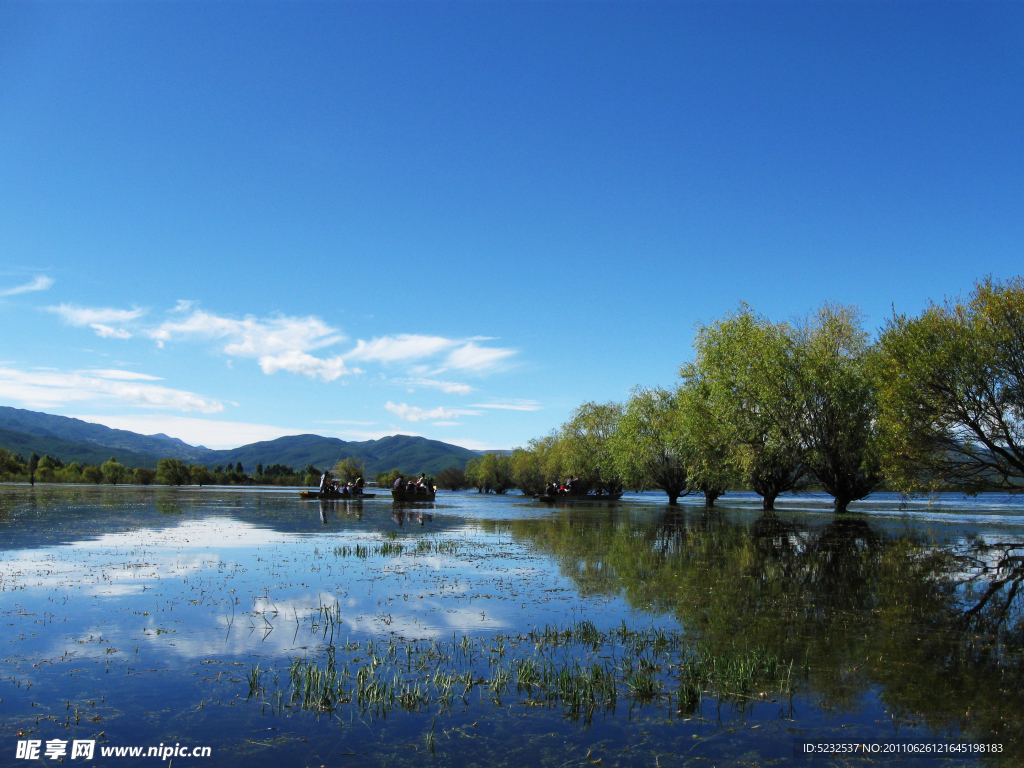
pixel 579 497
pixel 335 496
pixel 404 495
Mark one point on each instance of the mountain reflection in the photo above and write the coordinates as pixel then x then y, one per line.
pixel 933 628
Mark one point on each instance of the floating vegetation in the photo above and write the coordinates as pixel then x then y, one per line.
pixel 577 668
pixel 393 548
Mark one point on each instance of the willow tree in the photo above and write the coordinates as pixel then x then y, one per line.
pixel 741 363
pixel 491 473
pixel 170 472
pixel 709 443
pixel 536 465
pixel 951 390
pixel 829 370
pixel 585 446
pixel 350 469
pixel 649 445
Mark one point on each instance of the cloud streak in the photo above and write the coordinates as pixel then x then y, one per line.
pixel 449 387
pixel 304 364
pixel 287 343
pixel 251 336
pixel 37 283
pixel 75 315
pixel 99 319
pixel 511 405
pixel 42 389
pixel 412 413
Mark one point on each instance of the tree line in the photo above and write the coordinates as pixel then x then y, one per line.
pixel 169 471
pixel 934 402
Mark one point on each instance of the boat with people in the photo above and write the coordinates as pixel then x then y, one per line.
pixel 574 490
pixel 420 489
pixel 420 494
pixel 335 495
pixel 549 497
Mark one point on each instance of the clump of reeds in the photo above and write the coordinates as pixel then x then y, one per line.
pixel 551 667
pixel 390 547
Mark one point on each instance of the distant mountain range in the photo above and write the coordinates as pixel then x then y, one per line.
pixel 70 440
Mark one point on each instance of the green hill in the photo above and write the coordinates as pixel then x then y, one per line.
pixel 68 451
pixel 71 439
pixel 409 454
pixel 46 425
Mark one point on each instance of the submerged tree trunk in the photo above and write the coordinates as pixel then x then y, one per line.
pixel 768 502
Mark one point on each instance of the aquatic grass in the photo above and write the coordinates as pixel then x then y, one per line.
pixel 392 547
pixel 551 666
pixel 253 679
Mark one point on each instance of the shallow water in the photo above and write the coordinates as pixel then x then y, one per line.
pixel 135 616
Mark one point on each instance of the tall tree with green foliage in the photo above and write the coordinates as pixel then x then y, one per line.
pixel 536 465
pixel 709 446
pixel 172 472
pixel 491 473
pixel 585 446
pixel 742 363
pixel 452 479
pixel 350 469
pixel 33 464
pixel 200 475
pixel 951 393
pixel 649 446
pixel 832 374
pixel 114 472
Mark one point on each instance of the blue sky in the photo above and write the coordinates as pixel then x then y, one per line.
pixel 234 221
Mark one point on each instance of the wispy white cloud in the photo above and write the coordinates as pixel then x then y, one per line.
pixel 47 389
pixel 117 374
pixel 107 332
pixel 404 346
pixel 412 413
pixel 462 354
pixel 511 405
pixel 446 423
pixel 99 319
pixel 288 343
pixel 75 315
pixel 250 336
pixel 450 387
pixel 473 357
pixel 37 283
pixel 302 363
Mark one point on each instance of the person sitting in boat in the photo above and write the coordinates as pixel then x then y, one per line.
pixel 399 483
pixel 359 485
pixel 323 482
pixel 570 485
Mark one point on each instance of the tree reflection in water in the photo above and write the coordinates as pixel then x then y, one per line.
pixel 935 630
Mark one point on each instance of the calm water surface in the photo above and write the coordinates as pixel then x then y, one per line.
pixel 146 616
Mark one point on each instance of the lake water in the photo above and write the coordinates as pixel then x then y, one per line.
pixel 491 630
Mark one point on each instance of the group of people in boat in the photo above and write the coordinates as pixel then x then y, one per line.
pixel 423 484
pixel 571 487
pixel 351 488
